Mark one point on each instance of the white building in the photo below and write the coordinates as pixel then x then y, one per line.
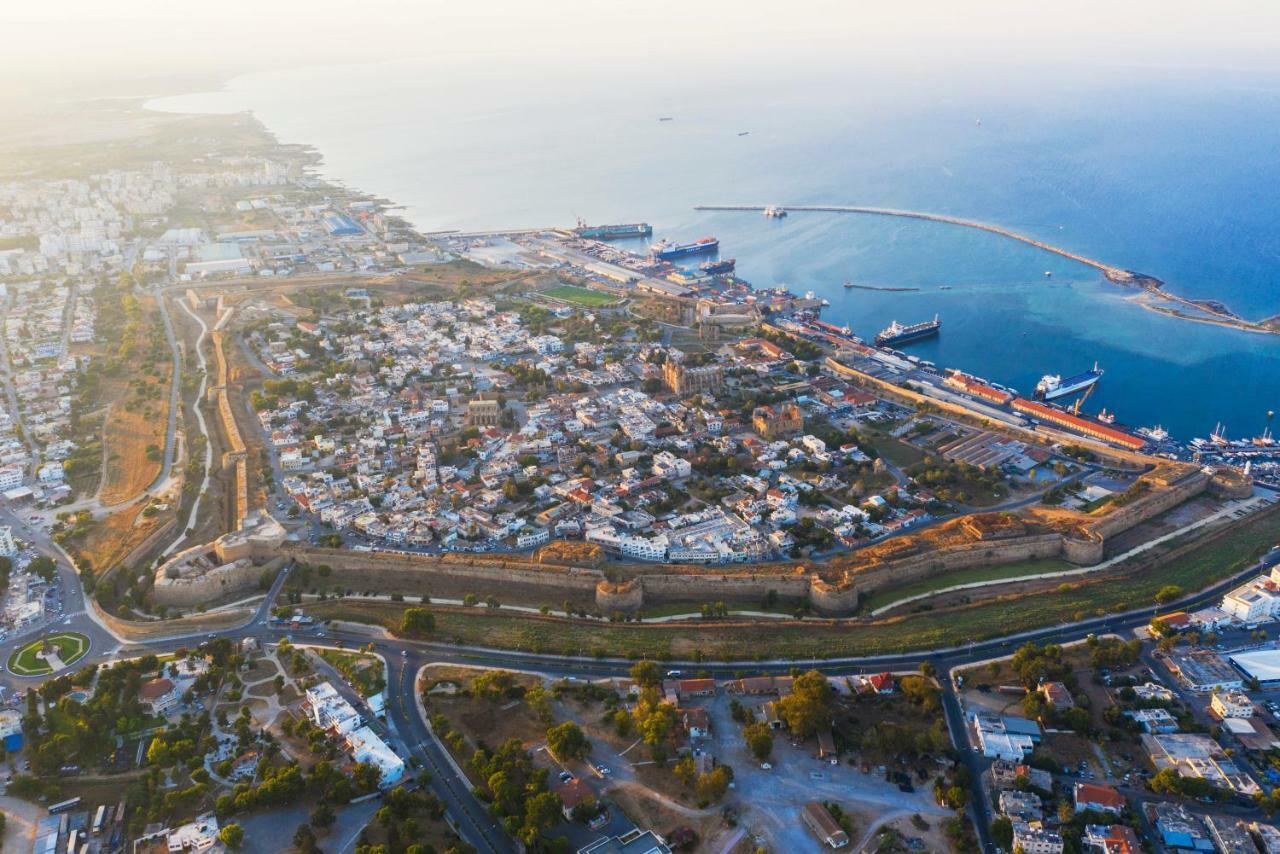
pixel 365 746
pixel 1256 601
pixel 199 835
pixel 1231 704
pixel 1035 839
pixel 8 548
pixel 330 711
pixel 10 477
pixel 668 465
pixel 50 474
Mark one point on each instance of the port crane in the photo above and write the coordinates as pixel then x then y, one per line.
pixel 1075 407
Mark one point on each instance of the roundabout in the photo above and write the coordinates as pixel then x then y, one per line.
pixel 50 654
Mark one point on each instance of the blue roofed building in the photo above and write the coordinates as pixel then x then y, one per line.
pixel 341 225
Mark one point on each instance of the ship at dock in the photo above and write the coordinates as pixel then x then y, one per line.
pixel 717 268
pixel 613 232
pixel 665 250
pixel 895 333
pixel 1053 386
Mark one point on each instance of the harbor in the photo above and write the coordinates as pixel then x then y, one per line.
pixel 1183 308
pixel 712 290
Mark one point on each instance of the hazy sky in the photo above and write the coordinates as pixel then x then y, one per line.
pixel 73 47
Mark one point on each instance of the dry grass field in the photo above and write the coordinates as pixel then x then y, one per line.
pixel 107 543
pixel 128 468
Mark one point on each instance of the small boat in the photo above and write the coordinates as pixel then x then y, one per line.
pixel 744 133
pixel 666 118
pixel 848 284
pixel 1048 274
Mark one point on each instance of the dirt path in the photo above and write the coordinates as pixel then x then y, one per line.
pixel 669 803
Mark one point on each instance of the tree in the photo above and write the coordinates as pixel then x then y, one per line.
pixel 645 673
pixel 1168 593
pixel 808 708
pixel 712 785
pixel 1002 832
pixel 540 812
pixel 568 742
pixel 539 702
pixel 417 622
pixel 232 835
pixel 323 815
pixel 759 738
pixel 304 839
pixel 44 567
pixel 928 668
pixel 686 770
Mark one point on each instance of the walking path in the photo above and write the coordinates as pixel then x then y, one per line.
pixel 1248 505
pixel 198 410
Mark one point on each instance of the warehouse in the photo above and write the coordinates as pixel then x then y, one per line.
pixel 1260 664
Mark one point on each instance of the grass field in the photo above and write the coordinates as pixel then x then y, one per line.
pixel 129 470
pixel 137 411
pixel 580 296
pixel 972 575
pixel 71 646
pixel 748 640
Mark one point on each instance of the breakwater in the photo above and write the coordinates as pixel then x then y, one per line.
pixel 1205 310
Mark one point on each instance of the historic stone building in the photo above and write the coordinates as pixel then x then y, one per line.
pixel 776 423
pixel 686 381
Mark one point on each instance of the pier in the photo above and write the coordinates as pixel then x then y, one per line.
pixel 1206 311
pixel 1114 274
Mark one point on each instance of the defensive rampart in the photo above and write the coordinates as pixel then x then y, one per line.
pixel 833 588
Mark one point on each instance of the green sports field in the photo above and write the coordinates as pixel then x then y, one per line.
pixel 71 646
pixel 580 296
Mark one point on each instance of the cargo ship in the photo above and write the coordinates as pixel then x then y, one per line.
pixel 717 268
pixel 665 250
pixel 895 333
pixel 613 232
pixel 1053 386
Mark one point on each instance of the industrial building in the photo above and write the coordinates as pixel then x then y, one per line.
pixel 1262 665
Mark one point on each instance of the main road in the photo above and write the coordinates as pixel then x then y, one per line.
pixel 405 657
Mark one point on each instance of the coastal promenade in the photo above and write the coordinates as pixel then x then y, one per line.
pixel 1206 311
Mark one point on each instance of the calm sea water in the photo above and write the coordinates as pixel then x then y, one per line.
pixel 1172 177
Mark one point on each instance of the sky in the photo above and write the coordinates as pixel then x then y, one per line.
pixel 78 48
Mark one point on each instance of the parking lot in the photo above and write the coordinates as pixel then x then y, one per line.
pixel 772 798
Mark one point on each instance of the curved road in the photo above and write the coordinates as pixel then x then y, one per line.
pixel 473 819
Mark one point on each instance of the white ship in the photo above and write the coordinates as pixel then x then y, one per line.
pixel 1053 386
pixel 1155 434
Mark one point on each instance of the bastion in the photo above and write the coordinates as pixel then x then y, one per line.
pixel 230 564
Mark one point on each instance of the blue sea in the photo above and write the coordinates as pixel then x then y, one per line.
pixel 1171 175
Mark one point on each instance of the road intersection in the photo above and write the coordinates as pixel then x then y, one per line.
pixel 406 657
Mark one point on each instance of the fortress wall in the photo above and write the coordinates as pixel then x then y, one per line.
pixel 414 574
pixel 919 567
pixel 214 584
pixel 1160 499
pixel 1084 551
pixel 627 596
pixel 721 587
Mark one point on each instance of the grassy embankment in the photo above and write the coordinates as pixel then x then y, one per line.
pixel 1198 567
pixel 973 575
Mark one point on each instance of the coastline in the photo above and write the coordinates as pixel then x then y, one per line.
pixel 1150 285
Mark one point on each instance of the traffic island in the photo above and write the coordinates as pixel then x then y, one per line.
pixel 49 654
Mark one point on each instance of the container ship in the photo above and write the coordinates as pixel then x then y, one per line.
pixel 665 250
pixel 717 268
pixel 895 333
pixel 1053 386
pixel 613 232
